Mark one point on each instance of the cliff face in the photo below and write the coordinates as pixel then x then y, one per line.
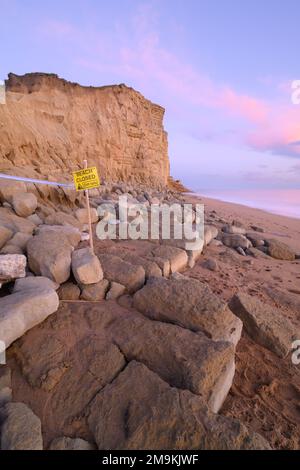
pixel 48 126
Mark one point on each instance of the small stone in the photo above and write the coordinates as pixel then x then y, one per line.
pixel 115 291
pixel 177 257
pixel 5 376
pixel 117 270
pixel 5 396
pixel 210 232
pixel 10 249
pixel 240 250
pixel 234 229
pixel 216 243
pixel 235 240
pixel 210 264
pixel 35 219
pixel 95 292
pixel 82 215
pixel 68 443
pixel 68 291
pixel 24 204
pixel 5 235
pixel 86 267
pixel 257 229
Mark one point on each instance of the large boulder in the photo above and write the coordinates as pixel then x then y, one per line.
pixel 266 325
pixel 49 255
pixel 280 250
pixel 61 218
pixel 189 303
pixel 23 310
pixel 24 204
pixel 115 269
pixel 72 234
pixel 86 267
pixel 138 410
pixel 182 358
pixel 20 428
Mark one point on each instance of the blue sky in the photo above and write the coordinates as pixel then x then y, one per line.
pixel 221 68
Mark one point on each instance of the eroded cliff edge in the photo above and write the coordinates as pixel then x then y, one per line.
pixel 49 125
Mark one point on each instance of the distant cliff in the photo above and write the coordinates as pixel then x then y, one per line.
pixel 49 125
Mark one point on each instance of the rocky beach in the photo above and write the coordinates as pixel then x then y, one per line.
pixel 137 344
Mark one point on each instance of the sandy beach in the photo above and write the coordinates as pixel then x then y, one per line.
pixel 266 390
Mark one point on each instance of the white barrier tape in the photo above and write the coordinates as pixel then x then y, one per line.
pixel 32 180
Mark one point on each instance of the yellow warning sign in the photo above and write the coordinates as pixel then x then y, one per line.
pixel 86 179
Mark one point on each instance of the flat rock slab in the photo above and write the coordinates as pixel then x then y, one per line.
pixel 138 410
pixel 20 428
pixel 266 325
pixel 23 310
pixel 67 373
pixel 117 270
pixel 189 303
pixel 182 358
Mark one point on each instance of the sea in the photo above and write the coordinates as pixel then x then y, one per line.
pixel 277 201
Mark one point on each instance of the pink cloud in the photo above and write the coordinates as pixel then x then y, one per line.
pixel 136 54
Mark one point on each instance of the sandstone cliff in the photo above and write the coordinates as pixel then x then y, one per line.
pixel 48 126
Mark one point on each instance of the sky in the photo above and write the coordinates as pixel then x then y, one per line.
pixel 222 69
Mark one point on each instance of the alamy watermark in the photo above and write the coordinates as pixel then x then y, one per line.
pixel 2 352
pixel 2 92
pixel 139 221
